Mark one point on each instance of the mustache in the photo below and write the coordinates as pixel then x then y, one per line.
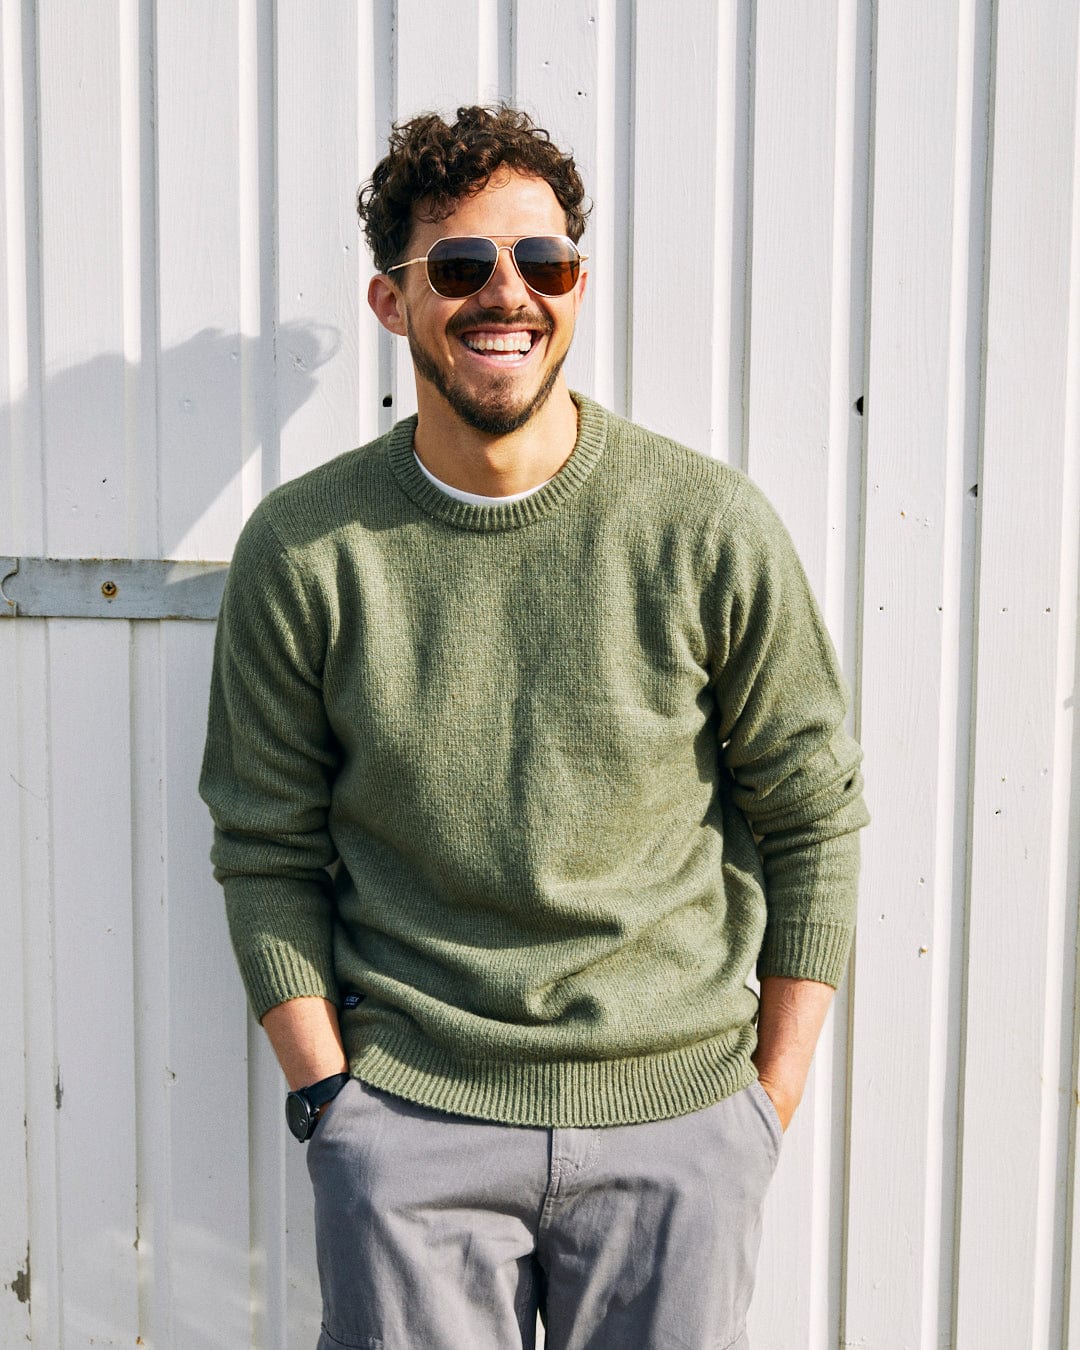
pixel 498 318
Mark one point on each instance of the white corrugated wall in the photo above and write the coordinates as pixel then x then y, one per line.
pixel 835 243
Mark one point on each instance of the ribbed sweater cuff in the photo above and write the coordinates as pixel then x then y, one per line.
pixel 801 951
pixel 273 975
pixel 283 937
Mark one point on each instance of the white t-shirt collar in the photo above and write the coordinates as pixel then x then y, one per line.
pixel 474 498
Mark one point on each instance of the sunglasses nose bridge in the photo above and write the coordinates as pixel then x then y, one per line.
pixel 497 271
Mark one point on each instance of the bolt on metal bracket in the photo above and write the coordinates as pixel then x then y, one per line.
pixel 110 588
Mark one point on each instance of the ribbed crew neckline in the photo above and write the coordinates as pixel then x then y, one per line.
pixel 586 454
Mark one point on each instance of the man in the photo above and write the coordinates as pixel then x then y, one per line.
pixel 525 745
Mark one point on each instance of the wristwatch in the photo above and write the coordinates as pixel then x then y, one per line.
pixel 304 1106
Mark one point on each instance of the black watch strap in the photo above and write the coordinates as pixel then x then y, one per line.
pixel 325 1090
pixel 302 1107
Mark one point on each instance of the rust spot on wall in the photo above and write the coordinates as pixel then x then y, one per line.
pixel 20 1285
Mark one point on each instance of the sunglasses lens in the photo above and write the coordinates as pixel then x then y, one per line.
pixel 548 264
pixel 460 267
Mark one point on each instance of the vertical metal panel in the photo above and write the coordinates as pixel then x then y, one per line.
pixel 94 1086
pixel 183 324
pixel 1067 863
pixel 35 820
pixel 202 449
pixel 922 364
pixel 14 1233
pixel 257 298
pixel 445 54
pixel 671 363
pixel 1018 1013
pixel 138 186
pixel 82 280
pixel 686 289
pixel 23 792
pixel 20 426
pixel 326 371
pixel 87 1148
pixel 152 1011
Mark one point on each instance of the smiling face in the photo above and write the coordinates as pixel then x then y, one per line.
pixel 493 359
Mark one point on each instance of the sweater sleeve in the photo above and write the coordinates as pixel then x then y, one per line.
pixel 794 770
pixel 267 773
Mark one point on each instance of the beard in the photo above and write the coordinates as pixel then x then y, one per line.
pixel 494 411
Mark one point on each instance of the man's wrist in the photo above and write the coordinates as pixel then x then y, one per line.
pixel 308 1076
pixel 306 1037
pixel 790 1016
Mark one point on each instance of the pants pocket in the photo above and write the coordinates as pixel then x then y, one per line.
pixel 769 1118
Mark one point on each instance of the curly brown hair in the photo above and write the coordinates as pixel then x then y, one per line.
pixel 436 164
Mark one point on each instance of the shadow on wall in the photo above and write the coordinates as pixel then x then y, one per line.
pixel 211 402
pixel 111 431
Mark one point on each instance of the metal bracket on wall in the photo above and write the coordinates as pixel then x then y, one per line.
pixel 110 588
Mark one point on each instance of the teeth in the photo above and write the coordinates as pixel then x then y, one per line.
pixel 512 342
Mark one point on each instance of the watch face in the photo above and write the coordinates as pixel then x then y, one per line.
pixel 298 1114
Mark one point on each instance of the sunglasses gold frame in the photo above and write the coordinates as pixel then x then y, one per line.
pixel 499 248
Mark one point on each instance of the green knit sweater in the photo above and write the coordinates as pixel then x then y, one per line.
pixel 528 789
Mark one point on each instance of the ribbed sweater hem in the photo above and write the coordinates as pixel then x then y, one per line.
pixel 564 1093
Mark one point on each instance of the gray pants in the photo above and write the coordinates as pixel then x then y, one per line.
pixel 435 1232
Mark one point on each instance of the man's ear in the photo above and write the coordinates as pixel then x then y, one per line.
pixel 387 304
pixel 583 281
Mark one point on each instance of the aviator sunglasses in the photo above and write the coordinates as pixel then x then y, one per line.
pixel 462 264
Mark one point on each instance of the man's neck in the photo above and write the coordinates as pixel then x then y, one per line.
pixel 495 466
